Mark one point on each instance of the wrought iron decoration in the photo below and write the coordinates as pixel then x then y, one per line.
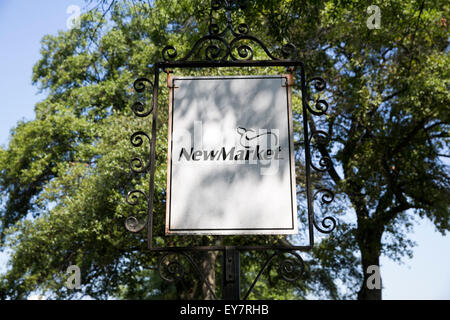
pixel 229 47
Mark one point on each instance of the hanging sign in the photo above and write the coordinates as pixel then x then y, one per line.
pixel 231 166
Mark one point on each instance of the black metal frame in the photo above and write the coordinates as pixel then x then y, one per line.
pixel 219 53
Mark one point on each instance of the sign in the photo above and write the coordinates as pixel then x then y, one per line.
pixel 231 166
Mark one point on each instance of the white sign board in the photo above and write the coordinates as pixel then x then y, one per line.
pixel 231 167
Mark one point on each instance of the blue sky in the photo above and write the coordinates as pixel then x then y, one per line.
pixel 22 25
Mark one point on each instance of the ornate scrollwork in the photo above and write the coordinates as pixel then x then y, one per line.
pixel 213 29
pixel 245 52
pixel 319 83
pixel 289 51
pixel 136 163
pixel 138 107
pixel 136 138
pixel 242 29
pixel 222 44
pixel 328 224
pixel 169 53
pixel 327 197
pixel 171 268
pixel 213 52
pixel 325 164
pixel 218 48
pixel 223 50
pixel 321 137
pixel 290 269
pixel 132 224
pixel 320 105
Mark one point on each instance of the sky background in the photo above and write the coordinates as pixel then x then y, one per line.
pixel 22 25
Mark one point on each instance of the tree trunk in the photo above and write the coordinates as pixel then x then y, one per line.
pixel 208 267
pixel 366 292
pixel 369 241
pixel 209 271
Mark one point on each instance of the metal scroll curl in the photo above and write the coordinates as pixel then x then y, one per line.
pixel 328 223
pixel 137 164
pixel 132 223
pixel 217 48
pixel 290 268
pixel 245 52
pixel 320 106
pixel 169 53
pixel 324 164
pixel 320 137
pixel 289 51
pixel 138 108
pixel 172 269
pixel 228 5
pixel 242 29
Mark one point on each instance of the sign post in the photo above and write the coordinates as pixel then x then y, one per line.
pixel 231 266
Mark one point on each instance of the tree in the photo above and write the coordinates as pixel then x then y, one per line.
pixel 388 123
pixel 64 175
